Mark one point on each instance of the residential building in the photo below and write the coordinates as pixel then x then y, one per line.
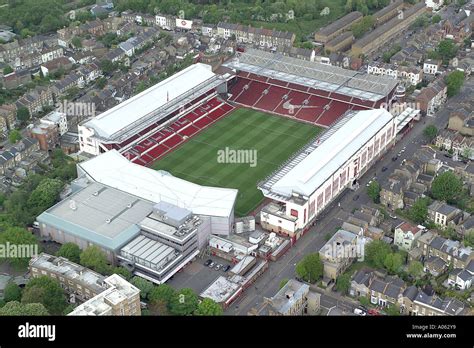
pixel 79 282
pixel 36 100
pixel 338 253
pixel 258 36
pixel 7 116
pixel 432 97
pixel 406 234
pixel 431 66
pixel 12 157
pixel 293 299
pixel 119 299
pixel 444 214
pixel 461 120
pixel 419 302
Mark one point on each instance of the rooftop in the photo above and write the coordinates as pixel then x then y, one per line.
pixel 286 297
pixel 117 119
pixel 330 151
pixel 69 270
pixel 112 169
pixel 313 74
pixel 100 214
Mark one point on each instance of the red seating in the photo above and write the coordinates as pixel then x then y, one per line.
pixel 157 151
pixel 189 130
pixel 203 122
pixel 271 100
pixel 252 94
pixel 173 141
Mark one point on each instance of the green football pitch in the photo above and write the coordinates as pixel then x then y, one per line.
pixel 274 138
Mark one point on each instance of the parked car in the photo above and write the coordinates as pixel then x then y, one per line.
pixel 227 268
pixel 360 311
pixel 384 169
pixel 218 267
pixel 208 262
pixel 394 158
pixel 373 312
pixel 212 264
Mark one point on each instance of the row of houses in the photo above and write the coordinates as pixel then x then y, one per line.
pixel 384 290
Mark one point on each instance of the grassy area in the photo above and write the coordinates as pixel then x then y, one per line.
pixel 274 138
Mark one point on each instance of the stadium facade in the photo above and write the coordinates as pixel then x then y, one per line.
pixel 309 181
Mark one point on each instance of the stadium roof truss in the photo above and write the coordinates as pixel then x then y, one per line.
pixel 313 74
pixel 164 110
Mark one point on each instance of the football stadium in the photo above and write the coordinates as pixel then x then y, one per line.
pixel 283 108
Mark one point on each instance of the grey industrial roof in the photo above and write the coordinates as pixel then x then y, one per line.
pixel 100 214
pixel 380 30
pixel 340 23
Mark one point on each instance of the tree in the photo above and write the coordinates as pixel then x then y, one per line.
pixel 107 66
pixel 25 242
pixel 184 302
pixel 343 283
pixel 145 286
pixel 373 191
pixel 446 187
pixel 101 82
pixel 122 271
pixel 70 251
pixel 46 291
pixel 12 292
pixel 76 42
pixel 376 252
pixel 158 307
pixel 415 269
pixel 393 262
pixel 283 283
pixel 392 310
pixel 45 195
pixel 209 307
pixel 15 308
pixel 14 136
pixel 94 258
pixel 7 70
pixel 454 81
pixel 467 153
pixel 435 19
pixel 364 301
pixel 163 293
pixel 23 114
pixel 419 211
pixel 446 50
pixel 310 268
pixel 430 132
pixel 363 26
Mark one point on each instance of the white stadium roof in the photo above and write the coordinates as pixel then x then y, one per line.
pixel 146 102
pixel 310 172
pixel 114 170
